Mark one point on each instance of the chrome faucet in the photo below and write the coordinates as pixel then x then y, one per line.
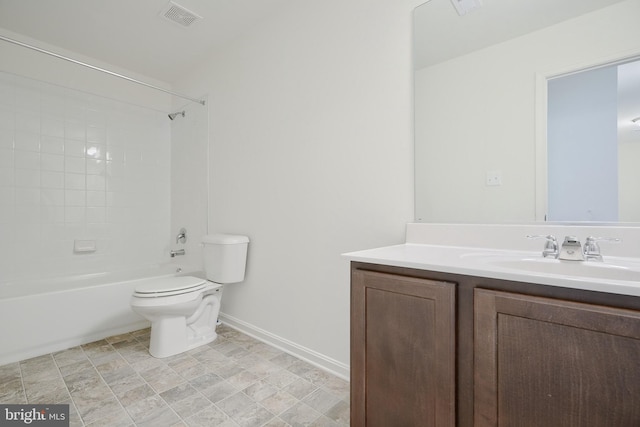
pixel 592 248
pixel 176 253
pixel 571 249
pixel 182 236
pixel 550 247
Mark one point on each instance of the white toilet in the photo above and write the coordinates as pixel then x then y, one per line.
pixel 183 310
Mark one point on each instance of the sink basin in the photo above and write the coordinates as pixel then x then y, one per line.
pixel 620 270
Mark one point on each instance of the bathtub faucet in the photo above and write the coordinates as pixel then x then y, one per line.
pixel 176 253
pixel 182 236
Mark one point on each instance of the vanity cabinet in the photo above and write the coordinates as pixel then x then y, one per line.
pixel 440 349
pixel 546 362
pixel 403 349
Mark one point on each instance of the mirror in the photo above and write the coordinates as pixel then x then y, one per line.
pixel 481 103
pixel 592 142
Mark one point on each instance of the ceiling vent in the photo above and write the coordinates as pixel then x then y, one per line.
pixel 177 14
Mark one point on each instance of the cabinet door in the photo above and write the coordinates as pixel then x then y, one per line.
pixel 546 362
pixel 402 351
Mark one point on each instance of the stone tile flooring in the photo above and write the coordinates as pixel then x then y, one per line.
pixel 234 381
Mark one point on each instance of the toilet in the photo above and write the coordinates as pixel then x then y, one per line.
pixel 183 310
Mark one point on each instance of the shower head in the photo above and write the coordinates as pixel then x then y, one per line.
pixel 174 115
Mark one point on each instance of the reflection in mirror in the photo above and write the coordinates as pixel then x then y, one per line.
pixel 591 137
pixel 480 101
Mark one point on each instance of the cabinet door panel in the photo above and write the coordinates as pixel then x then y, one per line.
pixel 541 361
pixel 402 351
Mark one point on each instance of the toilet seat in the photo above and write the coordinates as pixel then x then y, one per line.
pixel 169 286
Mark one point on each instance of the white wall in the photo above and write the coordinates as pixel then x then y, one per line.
pixel 480 110
pixel 629 179
pixel 310 156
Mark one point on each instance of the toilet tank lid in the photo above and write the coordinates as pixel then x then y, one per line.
pixel 224 239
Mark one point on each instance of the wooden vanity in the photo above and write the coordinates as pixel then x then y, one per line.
pixel 433 348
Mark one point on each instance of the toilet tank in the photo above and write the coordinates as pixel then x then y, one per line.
pixel 225 257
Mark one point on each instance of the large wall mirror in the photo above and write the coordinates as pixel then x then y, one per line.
pixel 498 139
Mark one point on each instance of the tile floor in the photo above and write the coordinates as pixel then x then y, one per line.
pixel 234 381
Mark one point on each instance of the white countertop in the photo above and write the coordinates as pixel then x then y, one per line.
pixel 475 261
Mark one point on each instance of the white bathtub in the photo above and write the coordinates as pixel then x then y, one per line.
pixel 43 316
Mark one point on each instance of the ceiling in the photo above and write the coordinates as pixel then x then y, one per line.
pixel 131 34
pixel 441 34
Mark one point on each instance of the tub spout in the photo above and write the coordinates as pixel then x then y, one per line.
pixel 176 253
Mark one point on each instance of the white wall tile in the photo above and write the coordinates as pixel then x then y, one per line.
pixel 52 126
pixel 74 125
pixel 49 179
pixel 27 141
pixel 68 171
pixel 75 181
pixel 53 104
pixel 6 176
pixel 74 214
pixel 74 148
pixel 6 139
pixel 7 215
pixel 51 214
pixel 27 215
pixel 52 197
pixel 51 144
pixel 95 150
pixel 27 122
pixel 27 197
pixel 116 184
pixel 75 165
pixel 75 198
pixel 96 199
pixel 51 162
pixel 6 158
pixel 96 183
pixel 97 118
pixel 96 167
pixel 96 215
pixel 26 159
pixel 27 99
pixel 96 134
pixel 7 95
pixel 28 178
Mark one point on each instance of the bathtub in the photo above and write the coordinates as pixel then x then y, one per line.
pixel 43 316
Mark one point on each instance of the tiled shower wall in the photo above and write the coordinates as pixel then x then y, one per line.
pixel 75 166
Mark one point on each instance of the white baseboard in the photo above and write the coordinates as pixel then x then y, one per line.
pixel 313 357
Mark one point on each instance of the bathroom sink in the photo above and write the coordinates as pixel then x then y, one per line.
pixel 619 270
pixel 615 274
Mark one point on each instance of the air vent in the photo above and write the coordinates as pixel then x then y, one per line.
pixel 175 13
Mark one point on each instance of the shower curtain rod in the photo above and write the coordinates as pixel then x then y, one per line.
pixel 93 67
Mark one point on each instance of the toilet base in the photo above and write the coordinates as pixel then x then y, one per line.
pixel 168 337
pixel 180 326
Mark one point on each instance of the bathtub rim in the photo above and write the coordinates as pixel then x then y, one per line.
pixel 16 289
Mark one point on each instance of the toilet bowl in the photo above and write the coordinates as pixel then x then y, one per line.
pixel 183 310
